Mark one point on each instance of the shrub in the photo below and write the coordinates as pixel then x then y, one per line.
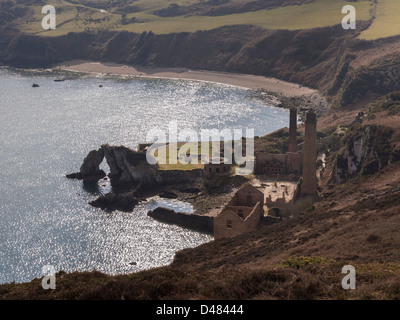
pixel 299 262
pixel 374 238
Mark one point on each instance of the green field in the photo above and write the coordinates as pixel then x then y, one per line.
pixel 386 22
pixel 163 153
pixel 320 13
pixel 78 18
pixel 73 16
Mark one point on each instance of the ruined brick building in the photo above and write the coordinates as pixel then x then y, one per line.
pixel 268 163
pixel 249 204
pixel 242 214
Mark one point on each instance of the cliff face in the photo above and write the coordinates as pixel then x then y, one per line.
pixel 307 57
pixel 320 58
pixel 367 150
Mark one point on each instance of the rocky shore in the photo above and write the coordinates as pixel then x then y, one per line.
pixel 134 180
pixel 312 100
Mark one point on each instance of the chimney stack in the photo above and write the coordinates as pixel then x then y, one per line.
pixel 309 186
pixel 293 131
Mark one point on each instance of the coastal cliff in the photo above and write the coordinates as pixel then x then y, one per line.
pixel 366 151
pixel 240 49
pixel 322 58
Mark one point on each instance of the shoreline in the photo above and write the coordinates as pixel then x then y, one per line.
pixel 277 92
pixel 239 80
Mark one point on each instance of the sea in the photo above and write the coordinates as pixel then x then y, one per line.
pixel 46 132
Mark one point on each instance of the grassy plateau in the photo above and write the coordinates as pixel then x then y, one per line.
pixel 138 16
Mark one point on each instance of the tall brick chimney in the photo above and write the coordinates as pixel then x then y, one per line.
pixel 293 131
pixel 309 186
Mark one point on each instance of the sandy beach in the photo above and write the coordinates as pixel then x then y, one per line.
pixel 241 80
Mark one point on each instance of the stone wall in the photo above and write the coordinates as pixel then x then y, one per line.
pixel 239 210
pixel 211 169
pixel 247 196
pixel 191 221
pixel 282 202
pixel 290 162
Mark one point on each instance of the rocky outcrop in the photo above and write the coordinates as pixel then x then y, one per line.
pixel 168 195
pixel 129 168
pixel 130 174
pixel 367 149
pixel 116 201
pixel 191 221
pixel 90 169
pixel 92 162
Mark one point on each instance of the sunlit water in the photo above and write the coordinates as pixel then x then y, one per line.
pixel 47 131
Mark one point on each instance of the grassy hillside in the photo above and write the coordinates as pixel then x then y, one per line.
pixel 386 22
pixel 320 13
pixel 163 17
pixel 141 15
